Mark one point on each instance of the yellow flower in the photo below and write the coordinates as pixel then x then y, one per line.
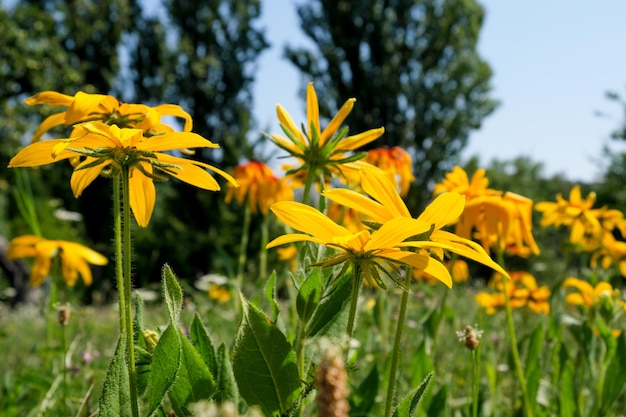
pixel 396 163
pixel 257 181
pixel 84 107
pixel 384 204
pixel 611 252
pixel 323 151
pixel 219 293
pixel 290 254
pixel 110 148
pixel 523 291
pixel 75 258
pixel 373 253
pixel 589 296
pixel 458 182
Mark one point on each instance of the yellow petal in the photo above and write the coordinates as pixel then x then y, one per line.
pixel 439 271
pixel 378 186
pixel 308 220
pixel 416 260
pixel 82 105
pixel 22 247
pixel 82 178
pixel 445 210
pixel 190 173
pixel 336 122
pixel 48 123
pixel 176 111
pixel 312 110
pixel 142 196
pixel 369 208
pixel 354 142
pixel 286 143
pixel 37 154
pixel 50 97
pixel 175 140
pixel 285 119
pixel 393 232
pixel 291 238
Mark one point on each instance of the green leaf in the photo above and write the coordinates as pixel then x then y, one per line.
pixel 533 366
pixel 226 383
pixel 166 362
pixel 138 325
pixel 363 398
pixel 202 342
pixel 115 398
pixel 194 381
pixel 438 404
pixel 409 403
pixel 310 294
pixel 264 363
pixel 615 376
pixel 270 294
pixel 330 306
pixel 567 392
pixel 172 294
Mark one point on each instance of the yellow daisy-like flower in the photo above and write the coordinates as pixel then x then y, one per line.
pixel 372 253
pixel 322 151
pixel 384 204
pixel 84 107
pixel 523 292
pixel 589 296
pixel 458 181
pixel 396 163
pixel 110 148
pixel 257 182
pixel 75 258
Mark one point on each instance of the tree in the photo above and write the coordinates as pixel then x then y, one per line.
pixel 413 67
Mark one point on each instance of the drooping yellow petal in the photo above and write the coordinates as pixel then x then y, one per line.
pixel 176 111
pixel 291 238
pixel 444 210
pixel 439 271
pixel 312 110
pixel 22 247
pixel 81 178
pixel 82 105
pixel 50 97
pixel 416 260
pixel 308 220
pixel 175 140
pixel 142 195
pixel 336 121
pixel 369 208
pixel 190 173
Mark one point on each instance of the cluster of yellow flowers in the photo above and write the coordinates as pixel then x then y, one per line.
pixel 591 230
pixel 523 292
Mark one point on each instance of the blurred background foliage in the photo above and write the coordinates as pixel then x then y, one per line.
pixel 412 64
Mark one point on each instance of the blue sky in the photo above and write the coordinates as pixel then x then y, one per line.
pixel 553 61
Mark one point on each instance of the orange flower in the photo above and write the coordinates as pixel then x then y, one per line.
pixel 257 182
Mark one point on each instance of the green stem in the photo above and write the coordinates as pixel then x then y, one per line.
pixel 475 379
pixel 119 271
pixel 310 179
pixel 243 245
pixel 397 342
pixel 265 233
pixel 354 298
pixel 126 257
pixel 528 412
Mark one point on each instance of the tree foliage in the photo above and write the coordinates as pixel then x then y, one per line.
pixel 413 67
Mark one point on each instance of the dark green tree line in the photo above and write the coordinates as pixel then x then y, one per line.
pixel 413 67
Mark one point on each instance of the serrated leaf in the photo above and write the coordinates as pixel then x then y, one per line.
pixel 194 381
pixel 201 340
pixel 173 294
pixel 115 398
pixel 409 403
pixel 330 306
pixel 264 364
pixel 165 365
pixel 309 294
pixel 226 383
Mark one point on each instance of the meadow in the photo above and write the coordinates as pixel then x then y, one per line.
pixel 370 310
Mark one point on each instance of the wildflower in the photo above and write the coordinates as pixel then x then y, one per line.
pixel 612 251
pixel 371 252
pixel 75 258
pixel 83 107
pixel 111 149
pixel 321 151
pixel 257 182
pixel 396 163
pixel 470 337
pixel 151 339
pixel 384 204
pixel 523 291
pixel 589 296
pixel 458 182
pixel 575 213
pixel 219 293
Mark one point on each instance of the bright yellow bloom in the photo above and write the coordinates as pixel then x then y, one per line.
pixel 458 182
pixel 611 252
pixel 589 296
pixel 75 258
pixel 523 291
pixel 257 182
pixel 396 163
pixel 84 107
pixel 577 214
pixel 384 204
pixel 372 253
pixel 219 293
pixel 325 150
pixel 110 148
